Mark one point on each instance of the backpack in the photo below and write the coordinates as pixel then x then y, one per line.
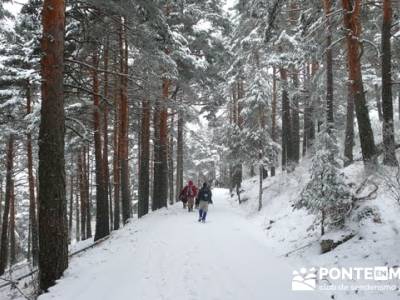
pixel 190 191
pixel 205 195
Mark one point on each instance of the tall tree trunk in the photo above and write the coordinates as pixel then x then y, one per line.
pixel 287 152
pixel 353 25
pixel 307 110
pixel 13 249
pixel 329 66
pixel 157 170
pixel 389 154
pixel 163 184
pixel 31 183
pixel 151 171
pixel 78 202
pixel 349 133
pixel 313 104
pixel 179 150
pixel 88 195
pixel 171 161
pixel 83 192
pixel 274 109
pixel 232 121
pixel 71 204
pixel 1 201
pixel 261 172
pixel 116 162
pixel 378 101
pixel 295 120
pixel 106 169
pixel 53 227
pixel 238 168
pixel 398 101
pixel 144 176
pixel 7 202
pixel 123 132
pixel 160 192
pixel 102 217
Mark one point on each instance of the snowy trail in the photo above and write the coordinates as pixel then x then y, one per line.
pixel 168 255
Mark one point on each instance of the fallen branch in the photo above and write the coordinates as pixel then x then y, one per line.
pixel 297 249
pixel 14 285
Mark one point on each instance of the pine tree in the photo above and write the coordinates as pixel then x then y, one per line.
pixel 53 228
pixel 387 99
pixel 6 212
pixel 326 194
pixel 352 24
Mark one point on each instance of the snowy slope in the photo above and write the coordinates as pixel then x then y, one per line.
pixel 168 255
pixel 290 233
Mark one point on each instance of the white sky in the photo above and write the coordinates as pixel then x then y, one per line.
pixel 229 3
pixel 15 6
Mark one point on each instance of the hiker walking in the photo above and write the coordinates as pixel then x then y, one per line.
pixel 204 198
pixel 188 195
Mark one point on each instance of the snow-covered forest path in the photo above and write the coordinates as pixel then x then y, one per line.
pixel 169 255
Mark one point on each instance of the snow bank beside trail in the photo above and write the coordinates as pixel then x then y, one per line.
pixel 291 234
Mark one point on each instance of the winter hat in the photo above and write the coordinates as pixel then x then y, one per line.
pixel 204 184
pixel 190 182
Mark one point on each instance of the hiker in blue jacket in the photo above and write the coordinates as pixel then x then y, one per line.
pixel 204 198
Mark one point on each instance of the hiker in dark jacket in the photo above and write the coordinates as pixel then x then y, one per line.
pixel 204 198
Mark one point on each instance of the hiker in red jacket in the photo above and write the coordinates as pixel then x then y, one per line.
pixel 188 194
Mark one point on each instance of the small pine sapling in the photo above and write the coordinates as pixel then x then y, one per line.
pixel 326 194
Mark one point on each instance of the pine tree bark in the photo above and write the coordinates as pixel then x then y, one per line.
pixel 78 202
pixel 179 150
pixel 53 227
pixel 353 25
pixel 106 168
pixel 274 109
pixel 313 120
pixel 102 217
pixel 71 205
pixel 31 183
pixel 116 162
pixel 389 153
pixel 88 195
pixel 13 249
pixel 349 133
pixel 238 168
pixel 7 202
pixel 1 201
pixel 123 131
pixel 83 193
pixel 287 151
pixel 307 111
pixel 160 192
pixel 329 66
pixel 295 120
pixel 157 170
pixel 163 185
pixel 171 161
pixel 144 175
pixel 378 102
pixel 398 101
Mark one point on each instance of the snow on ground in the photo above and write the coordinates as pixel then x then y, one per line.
pixel 239 253
pixel 169 255
pixel 290 233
